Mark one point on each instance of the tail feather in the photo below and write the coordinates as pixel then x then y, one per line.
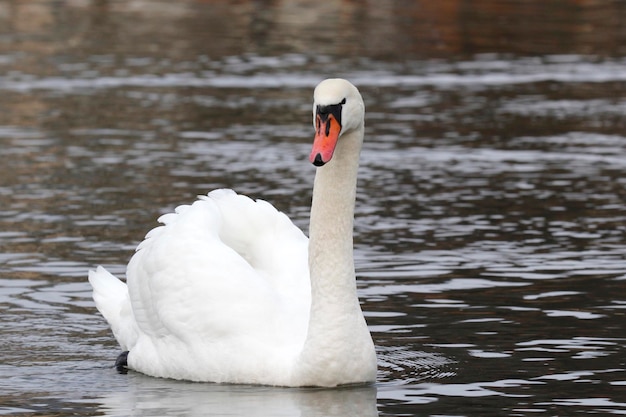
pixel 112 300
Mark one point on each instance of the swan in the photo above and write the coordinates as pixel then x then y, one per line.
pixel 229 290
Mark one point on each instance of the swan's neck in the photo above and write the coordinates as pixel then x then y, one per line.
pixel 331 262
pixel 338 346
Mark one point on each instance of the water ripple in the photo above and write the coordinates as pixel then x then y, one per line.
pixel 479 73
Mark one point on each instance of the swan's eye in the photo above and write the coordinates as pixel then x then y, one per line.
pixel 343 101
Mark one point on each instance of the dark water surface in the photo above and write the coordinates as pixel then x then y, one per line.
pixel 490 230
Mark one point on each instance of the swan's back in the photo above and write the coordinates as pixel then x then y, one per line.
pixel 220 292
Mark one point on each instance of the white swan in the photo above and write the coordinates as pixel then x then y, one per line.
pixel 229 290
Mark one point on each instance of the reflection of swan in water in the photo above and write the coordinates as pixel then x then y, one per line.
pixel 160 397
pixel 406 375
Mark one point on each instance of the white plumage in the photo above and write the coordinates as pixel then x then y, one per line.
pixel 222 291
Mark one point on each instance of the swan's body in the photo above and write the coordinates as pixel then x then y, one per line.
pixel 229 290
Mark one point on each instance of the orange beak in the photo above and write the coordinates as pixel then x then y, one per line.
pixel 327 129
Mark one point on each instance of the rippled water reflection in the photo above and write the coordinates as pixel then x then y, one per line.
pixel 490 218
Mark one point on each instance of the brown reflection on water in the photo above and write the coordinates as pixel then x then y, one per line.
pixel 396 30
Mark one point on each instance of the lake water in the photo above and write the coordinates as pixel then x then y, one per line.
pixel 490 222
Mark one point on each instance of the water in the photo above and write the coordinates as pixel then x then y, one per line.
pixel 490 217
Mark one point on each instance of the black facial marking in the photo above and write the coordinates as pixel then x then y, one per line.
pixel 334 109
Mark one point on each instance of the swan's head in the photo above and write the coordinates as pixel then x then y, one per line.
pixel 337 109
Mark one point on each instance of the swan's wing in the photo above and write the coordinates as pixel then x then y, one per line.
pixel 267 239
pixel 223 273
pixel 111 298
